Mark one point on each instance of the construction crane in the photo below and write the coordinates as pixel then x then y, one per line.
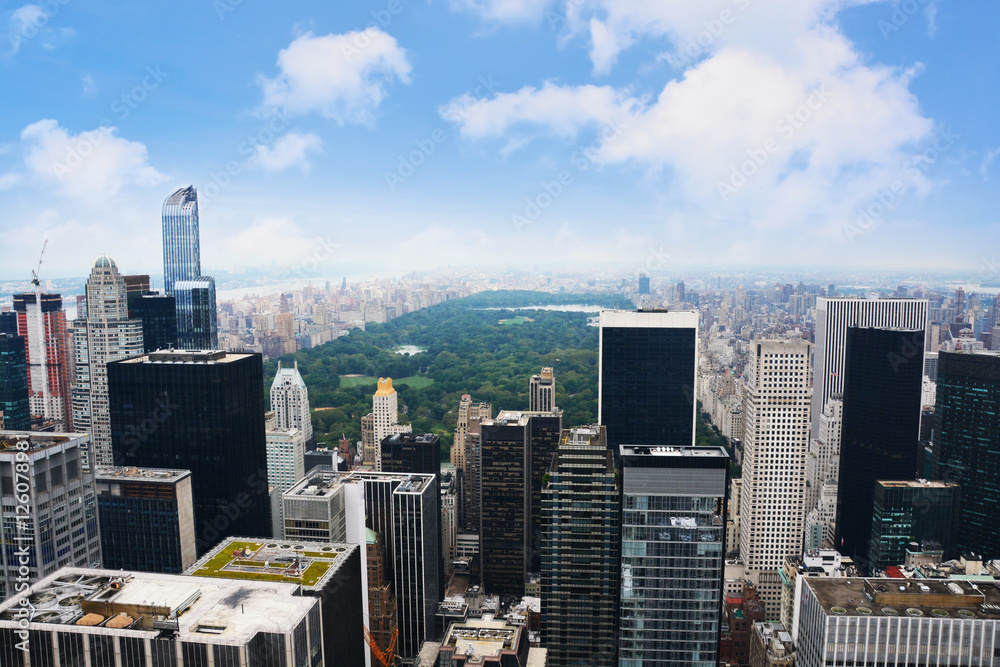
pixel 386 658
pixel 34 274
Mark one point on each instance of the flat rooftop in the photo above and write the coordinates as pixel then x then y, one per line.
pixel 915 484
pixel 323 481
pixel 143 604
pixel 687 451
pixel 933 598
pixel 649 319
pixel 311 564
pixel 186 357
pixel 37 440
pixel 485 637
pixel 123 474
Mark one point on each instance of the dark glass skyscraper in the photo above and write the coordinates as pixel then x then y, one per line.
pixel 968 444
pixel 881 429
pixel 181 244
pixel 14 383
pixel 912 511
pixel 158 313
pixel 580 542
pixel 197 327
pixel 672 555
pixel 202 412
pixel 516 451
pixel 647 377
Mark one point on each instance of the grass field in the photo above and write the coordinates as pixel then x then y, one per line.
pixel 415 381
pixel 521 319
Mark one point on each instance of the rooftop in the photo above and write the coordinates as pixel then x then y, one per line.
pixel 941 598
pixel 694 452
pixel 311 564
pixel 142 604
pixel 163 475
pixel 186 357
pixel 482 637
pixel 915 484
pixel 35 440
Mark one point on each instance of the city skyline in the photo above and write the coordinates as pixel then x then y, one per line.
pixel 463 123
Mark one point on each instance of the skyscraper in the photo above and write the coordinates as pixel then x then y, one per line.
pixel 181 241
pixel 775 443
pixel 968 444
pixel 467 410
pixel 42 324
pixel 646 384
pixel 672 555
pixel 203 412
pixel 542 391
pixel 580 540
pixel 197 324
pixel 54 524
pixel 290 401
pixel 883 373
pixel 107 335
pixel 912 511
pixel 14 384
pixel 285 465
pixel 515 454
pixel 158 314
pixel 386 417
pixel 643 284
pixel 833 316
pixel 147 519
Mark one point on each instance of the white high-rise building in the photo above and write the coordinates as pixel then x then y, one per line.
pixel 833 316
pixel 290 401
pixel 542 394
pixel 386 417
pixel 823 462
pixel 107 334
pixel 286 450
pixel 775 444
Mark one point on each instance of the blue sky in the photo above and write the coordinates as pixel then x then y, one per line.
pixel 408 134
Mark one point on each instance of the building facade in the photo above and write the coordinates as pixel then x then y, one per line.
pixel 580 537
pixel 41 321
pixel 385 417
pixel 107 334
pixel 883 373
pixel 14 396
pixel 833 316
pixel 968 444
pixel 197 325
pixel 203 412
pixel 158 314
pixel 181 238
pixel 672 555
pixel 646 377
pixel 775 443
pixel 542 391
pixel 57 525
pixel 147 519
pixel 912 511
pixel 290 401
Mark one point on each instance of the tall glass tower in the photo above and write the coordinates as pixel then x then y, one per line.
pixel 672 555
pixel 181 247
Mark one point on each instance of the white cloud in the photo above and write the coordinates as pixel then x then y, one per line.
pixel 291 150
pixel 90 165
pixel 984 167
pixel 562 110
pixel 278 240
pixel 505 11
pixel 770 141
pixel 89 87
pixel 30 22
pixel 344 77
pixel 8 181
pixel 931 13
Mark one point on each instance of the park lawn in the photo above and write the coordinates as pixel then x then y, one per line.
pixel 414 381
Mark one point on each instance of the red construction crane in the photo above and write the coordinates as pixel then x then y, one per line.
pixel 386 658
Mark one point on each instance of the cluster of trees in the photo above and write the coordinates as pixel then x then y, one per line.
pixel 468 352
